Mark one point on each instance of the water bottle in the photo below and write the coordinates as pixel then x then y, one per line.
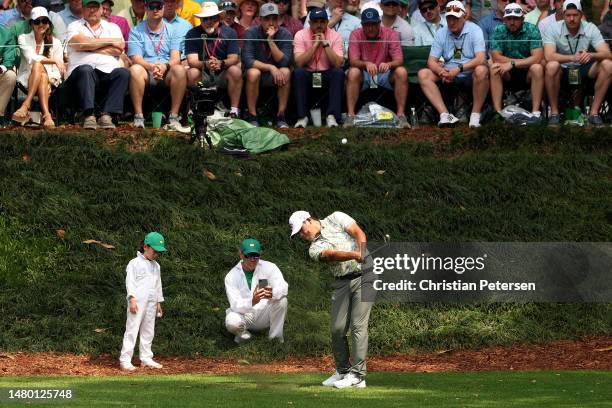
pixel 413 118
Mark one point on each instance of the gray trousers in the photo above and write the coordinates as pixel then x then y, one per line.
pixel 348 311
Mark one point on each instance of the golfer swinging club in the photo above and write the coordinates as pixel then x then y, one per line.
pixel 339 240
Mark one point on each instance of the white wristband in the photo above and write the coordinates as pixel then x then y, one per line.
pixel 3 69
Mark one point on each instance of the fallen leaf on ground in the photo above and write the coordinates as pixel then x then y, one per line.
pixel 25 157
pixel 211 176
pixel 100 330
pixel 107 246
pixel 91 241
pixel 60 232
pixel 381 172
pixel 609 348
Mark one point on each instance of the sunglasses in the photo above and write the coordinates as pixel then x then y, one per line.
pixel 209 19
pixel 425 9
pixel 155 6
pixel 454 9
pixel 514 13
pixel 282 1
pixel 39 21
pixel 252 257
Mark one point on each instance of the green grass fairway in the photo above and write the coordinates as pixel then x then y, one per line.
pixel 490 389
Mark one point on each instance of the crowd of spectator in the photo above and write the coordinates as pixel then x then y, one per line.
pixel 246 47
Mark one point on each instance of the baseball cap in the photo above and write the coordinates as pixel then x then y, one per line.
pixel 112 3
pixel 513 10
pixel 156 241
pixel 575 3
pixel 268 9
pixel 250 246
pixel 455 8
pixel 228 6
pixel 86 2
pixel 370 15
pixel 318 14
pixel 385 2
pixel 147 2
pixel 38 12
pixel 296 220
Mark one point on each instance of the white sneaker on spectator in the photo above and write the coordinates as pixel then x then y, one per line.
pixel 475 120
pixel 301 123
pixel 403 122
pixel 336 376
pixel 349 121
pixel 331 121
pixel 242 336
pixel 139 121
pixel 175 126
pixel 126 365
pixel 150 363
pixel 106 122
pixel 350 380
pixel 447 119
pixel 90 122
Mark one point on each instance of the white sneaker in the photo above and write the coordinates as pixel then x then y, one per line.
pixel 331 380
pixel 150 363
pixel 447 119
pixel 301 123
pixel 242 337
pixel 350 380
pixel 331 121
pixel 175 126
pixel 139 122
pixel 474 120
pixel 127 366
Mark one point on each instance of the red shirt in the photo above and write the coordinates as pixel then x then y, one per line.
pixel 385 48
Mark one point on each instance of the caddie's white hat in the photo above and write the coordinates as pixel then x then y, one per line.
pixel 455 8
pixel 297 220
pixel 209 9
pixel 576 3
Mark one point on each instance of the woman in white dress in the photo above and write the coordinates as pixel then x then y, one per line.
pixel 42 66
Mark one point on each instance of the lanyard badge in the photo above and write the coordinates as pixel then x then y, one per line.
pixel 317 80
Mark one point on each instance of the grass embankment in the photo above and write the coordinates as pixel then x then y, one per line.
pixel 500 184
pixel 507 389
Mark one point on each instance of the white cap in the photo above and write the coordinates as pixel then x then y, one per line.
pixel 455 4
pixel 576 3
pixel 297 220
pixel 208 9
pixel 513 10
pixel 38 12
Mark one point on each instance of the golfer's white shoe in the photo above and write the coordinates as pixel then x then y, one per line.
pixel 150 363
pixel 127 366
pixel 242 336
pixel 331 380
pixel 350 380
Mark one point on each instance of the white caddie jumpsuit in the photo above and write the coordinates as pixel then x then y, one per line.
pixel 143 282
pixel 268 313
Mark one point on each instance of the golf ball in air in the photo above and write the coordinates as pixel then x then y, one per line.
pixel 344 140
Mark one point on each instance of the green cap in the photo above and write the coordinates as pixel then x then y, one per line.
pixel 250 246
pixel 86 2
pixel 155 240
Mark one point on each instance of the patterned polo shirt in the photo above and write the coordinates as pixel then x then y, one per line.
pixel 516 45
pixel 334 236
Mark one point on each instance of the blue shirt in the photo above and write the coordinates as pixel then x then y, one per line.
pixel 488 24
pixel 470 41
pixel 153 47
pixel 67 16
pixel 260 51
pixel 180 26
pixel 10 17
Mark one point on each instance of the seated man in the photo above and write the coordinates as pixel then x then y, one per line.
pixel 94 48
pixel 257 294
pixel 425 31
pixel 391 19
pixel 8 78
pixel 516 50
pixel 566 50
pixel 156 59
pixel 461 45
pixel 212 47
pixel 319 56
pixel 267 62
pixel 285 20
pixel 376 59
pixel 179 25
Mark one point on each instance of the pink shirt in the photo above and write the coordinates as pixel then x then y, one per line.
pixel 123 25
pixel 319 62
pixel 385 49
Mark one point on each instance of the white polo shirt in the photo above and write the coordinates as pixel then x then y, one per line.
pixel 405 31
pixel 104 63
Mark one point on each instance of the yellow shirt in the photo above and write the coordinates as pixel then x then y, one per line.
pixel 188 10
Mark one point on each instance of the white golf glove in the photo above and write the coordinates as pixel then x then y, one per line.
pixel 3 69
